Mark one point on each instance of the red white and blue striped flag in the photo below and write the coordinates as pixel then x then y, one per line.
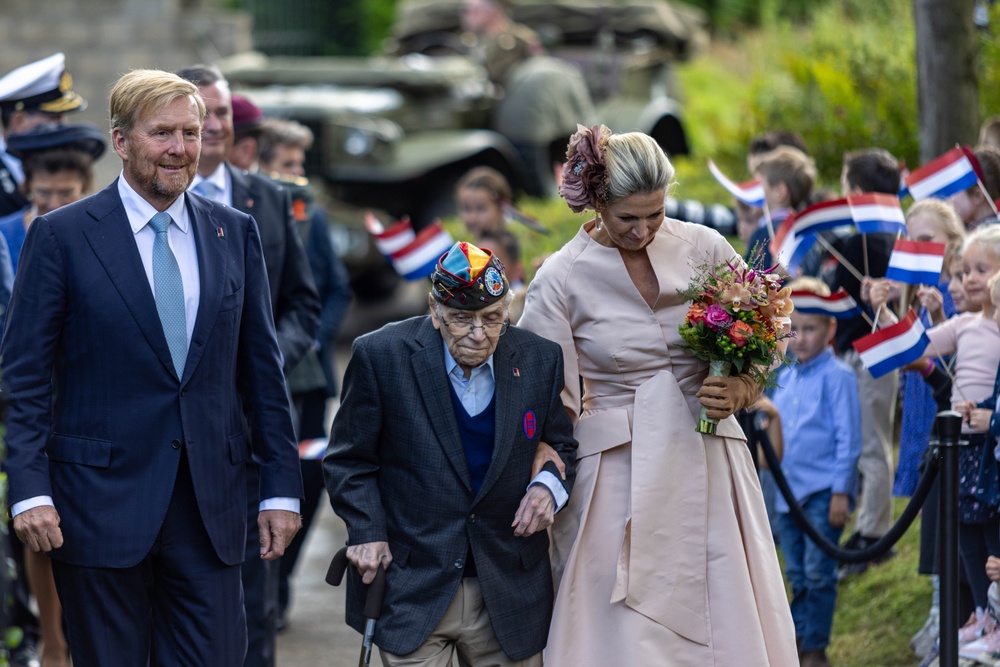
pixel 876 212
pixel 391 240
pixel 750 193
pixel 412 254
pixel 916 262
pixel 944 176
pixel 310 450
pixel 892 347
pixel 824 215
pixel 790 248
pixel 840 304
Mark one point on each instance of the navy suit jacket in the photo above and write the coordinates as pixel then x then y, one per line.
pixel 396 472
pixel 98 417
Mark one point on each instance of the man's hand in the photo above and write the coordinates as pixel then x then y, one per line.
pixel 366 557
pixel 993 568
pixel 277 528
pixel 839 510
pixel 543 455
pixel 39 528
pixel 536 512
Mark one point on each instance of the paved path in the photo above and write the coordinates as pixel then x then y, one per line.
pixel 316 635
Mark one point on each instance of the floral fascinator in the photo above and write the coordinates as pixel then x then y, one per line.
pixel 585 176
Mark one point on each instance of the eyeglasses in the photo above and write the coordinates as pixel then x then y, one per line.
pixel 466 327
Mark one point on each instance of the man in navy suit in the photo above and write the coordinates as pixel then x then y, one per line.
pixel 139 333
pixel 294 301
pixel 430 463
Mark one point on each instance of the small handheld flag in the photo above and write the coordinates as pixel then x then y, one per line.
pixel 840 304
pixel 311 450
pixel 916 262
pixel 824 215
pixel 892 347
pixel 942 177
pixel 750 193
pixel 876 212
pixel 412 254
pixel 790 248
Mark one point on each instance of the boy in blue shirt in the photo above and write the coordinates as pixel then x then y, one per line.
pixel 820 413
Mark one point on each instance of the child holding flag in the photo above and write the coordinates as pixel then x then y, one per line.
pixel 977 204
pixel 974 339
pixel 817 398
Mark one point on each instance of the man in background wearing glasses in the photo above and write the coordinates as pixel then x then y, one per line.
pixel 430 466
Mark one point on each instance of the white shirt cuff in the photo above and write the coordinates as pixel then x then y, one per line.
pixel 553 484
pixel 287 504
pixel 31 503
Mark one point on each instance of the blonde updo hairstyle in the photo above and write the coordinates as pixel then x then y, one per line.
pixel 636 164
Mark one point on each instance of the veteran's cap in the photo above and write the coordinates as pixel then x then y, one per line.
pixel 468 278
pixel 43 85
pixel 85 137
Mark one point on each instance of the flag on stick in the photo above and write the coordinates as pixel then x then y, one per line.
pixel 916 262
pixel 750 193
pixel 944 176
pixel 789 248
pixel 876 212
pixel 824 215
pixel 391 240
pixel 892 347
pixel 412 254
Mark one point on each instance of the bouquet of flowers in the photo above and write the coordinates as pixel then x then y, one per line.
pixel 737 317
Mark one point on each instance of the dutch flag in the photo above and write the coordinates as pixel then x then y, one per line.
pixel 944 176
pixel 750 193
pixel 892 347
pixel 311 450
pixel 418 259
pixel 789 248
pixel 840 304
pixel 392 240
pixel 825 215
pixel 876 212
pixel 916 262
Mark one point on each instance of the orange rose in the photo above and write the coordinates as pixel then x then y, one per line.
pixel 696 313
pixel 739 333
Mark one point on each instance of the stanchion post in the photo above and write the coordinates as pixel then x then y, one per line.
pixel 948 426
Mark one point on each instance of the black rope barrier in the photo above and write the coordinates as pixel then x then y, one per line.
pixel 875 550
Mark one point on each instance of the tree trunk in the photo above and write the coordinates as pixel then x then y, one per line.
pixel 947 84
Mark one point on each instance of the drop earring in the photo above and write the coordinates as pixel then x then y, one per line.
pixel 599 226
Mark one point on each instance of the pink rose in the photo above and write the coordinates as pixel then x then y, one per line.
pixel 717 318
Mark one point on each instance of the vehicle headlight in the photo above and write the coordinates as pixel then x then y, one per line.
pixel 358 142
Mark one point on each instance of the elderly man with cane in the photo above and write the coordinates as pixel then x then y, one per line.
pixel 430 465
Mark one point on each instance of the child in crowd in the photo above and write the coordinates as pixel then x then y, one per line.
pixel 817 398
pixel 974 339
pixel 787 176
pixel 868 170
pixel 480 195
pixel 972 204
pixel 507 249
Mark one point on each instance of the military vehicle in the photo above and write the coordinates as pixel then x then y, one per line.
pixel 396 131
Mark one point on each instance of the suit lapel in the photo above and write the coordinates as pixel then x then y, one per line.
pixel 110 237
pixel 507 418
pixel 243 199
pixel 428 362
pixel 213 250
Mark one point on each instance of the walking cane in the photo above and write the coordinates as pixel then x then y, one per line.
pixel 373 600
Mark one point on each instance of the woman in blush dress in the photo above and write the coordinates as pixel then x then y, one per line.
pixel 663 555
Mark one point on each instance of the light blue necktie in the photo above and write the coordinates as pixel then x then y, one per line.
pixel 207 189
pixel 168 290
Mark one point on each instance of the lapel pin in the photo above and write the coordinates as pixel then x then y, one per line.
pixel 530 424
pixel 222 234
pixel 250 202
pixel 517 372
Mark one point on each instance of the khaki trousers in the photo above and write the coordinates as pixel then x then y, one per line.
pixel 878 411
pixel 465 634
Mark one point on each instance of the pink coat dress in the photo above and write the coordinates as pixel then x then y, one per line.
pixel 663 555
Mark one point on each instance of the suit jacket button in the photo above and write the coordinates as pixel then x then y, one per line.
pixel 175 443
pixel 459 564
pixel 472 518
